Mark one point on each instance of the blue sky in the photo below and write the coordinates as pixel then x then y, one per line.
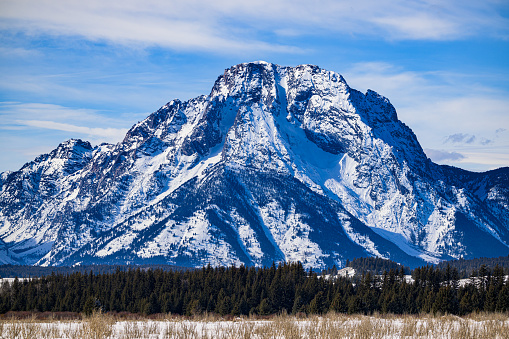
pixel 91 69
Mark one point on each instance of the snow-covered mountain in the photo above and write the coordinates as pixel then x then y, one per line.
pixel 276 163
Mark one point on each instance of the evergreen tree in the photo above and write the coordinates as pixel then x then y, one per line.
pixel 298 305
pixel 445 302
pixel 338 304
pixel 317 306
pixel 264 307
pixel 152 305
pixel 503 299
pixel 92 304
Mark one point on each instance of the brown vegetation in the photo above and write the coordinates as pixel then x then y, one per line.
pixel 331 325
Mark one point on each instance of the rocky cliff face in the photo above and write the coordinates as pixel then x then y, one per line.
pixel 276 163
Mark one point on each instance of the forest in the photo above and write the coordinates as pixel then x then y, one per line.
pixel 262 291
pixel 465 267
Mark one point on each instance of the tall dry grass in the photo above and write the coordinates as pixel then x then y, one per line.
pixel 98 326
pixel 208 326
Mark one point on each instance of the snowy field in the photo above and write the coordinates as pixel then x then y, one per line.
pixel 329 326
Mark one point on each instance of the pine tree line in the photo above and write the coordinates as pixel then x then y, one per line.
pixel 263 291
pixel 375 265
pixel 26 271
pixel 466 266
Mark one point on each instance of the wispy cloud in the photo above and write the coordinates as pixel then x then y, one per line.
pixel 179 25
pixel 460 138
pixel 31 129
pixel 441 155
pixel 18 52
pixel 236 26
pixel 110 134
pixel 420 26
pixel 80 122
pixel 485 159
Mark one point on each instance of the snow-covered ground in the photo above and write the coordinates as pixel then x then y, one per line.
pixel 347 272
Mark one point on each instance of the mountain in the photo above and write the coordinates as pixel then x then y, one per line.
pixel 276 163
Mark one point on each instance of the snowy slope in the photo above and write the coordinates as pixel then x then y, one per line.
pixel 276 163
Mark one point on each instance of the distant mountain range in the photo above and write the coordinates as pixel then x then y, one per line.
pixel 276 163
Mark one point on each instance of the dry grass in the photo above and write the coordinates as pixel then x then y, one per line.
pixel 332 325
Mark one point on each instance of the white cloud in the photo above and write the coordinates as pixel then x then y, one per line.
pixel 143 89
pixel 460 138
pixel 484 160
pixel 420 26
pixel 80 122
pixel 179 25
pixel 441 155
pixel 18 52
pixel 10 111
pixel 227 26
pixel 107 134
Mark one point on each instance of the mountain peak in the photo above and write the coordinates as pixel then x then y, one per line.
pixel 71 148
pixel 276 163
pixel 260 62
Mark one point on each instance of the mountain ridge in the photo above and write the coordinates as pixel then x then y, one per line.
pixel 221 178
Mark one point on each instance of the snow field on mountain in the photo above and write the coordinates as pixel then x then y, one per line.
pixel 291 235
